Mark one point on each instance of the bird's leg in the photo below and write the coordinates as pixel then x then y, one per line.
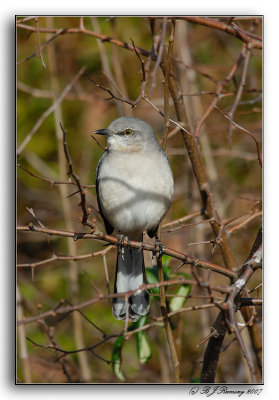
pixel 158 245
pixel 120 244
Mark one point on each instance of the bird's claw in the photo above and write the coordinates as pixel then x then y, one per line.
pixel 120 243
pixel 158 246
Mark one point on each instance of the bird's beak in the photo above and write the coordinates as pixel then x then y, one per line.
pixel 102 132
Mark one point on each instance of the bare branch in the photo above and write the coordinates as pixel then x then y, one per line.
pixel 198 166
pixel 53 182
pixel 76 179
pixel 166 89
pixel 59 32
pixel 56 257
pixel 49 111
pixel 226 318
pixel 239 91
pixel 103 38
pixel 233 30
pixel 39 42
pixel 246 131
pixel 139 245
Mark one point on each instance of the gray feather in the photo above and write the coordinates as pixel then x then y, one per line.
pixel 130 275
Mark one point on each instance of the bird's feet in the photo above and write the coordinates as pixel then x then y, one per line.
pixel 120 243
pixel 158 248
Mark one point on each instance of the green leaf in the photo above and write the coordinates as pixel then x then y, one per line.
pixel 152 276
pixel 143 346
pixel 116 358
pixel 165 260
pixel 183 290
pixel 166 272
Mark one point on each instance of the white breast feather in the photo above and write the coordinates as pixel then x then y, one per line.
pixel 140 198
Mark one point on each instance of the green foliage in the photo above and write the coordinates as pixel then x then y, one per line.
pixel 152 276
pixel 144 351
pixel 116 358
pixel 183 290
pixel 143 345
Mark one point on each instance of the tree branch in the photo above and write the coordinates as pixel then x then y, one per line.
pixel 139 245
pixel 226 318
pixel 198 167
pixel 49 111
pixel 233 30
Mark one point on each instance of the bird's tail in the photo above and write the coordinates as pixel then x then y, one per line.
pixel 130 275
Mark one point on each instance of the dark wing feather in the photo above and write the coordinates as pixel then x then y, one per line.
pixel 108 226
pixel 152 232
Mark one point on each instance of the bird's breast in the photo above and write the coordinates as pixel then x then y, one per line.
pixel 135 189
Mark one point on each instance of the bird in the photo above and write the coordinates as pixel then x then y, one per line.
pixel 134 186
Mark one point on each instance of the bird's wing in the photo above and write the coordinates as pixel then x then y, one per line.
pixel 108 226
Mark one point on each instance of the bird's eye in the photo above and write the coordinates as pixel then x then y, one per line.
pixel 128 132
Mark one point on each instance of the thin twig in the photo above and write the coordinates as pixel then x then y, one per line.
pixel 219 89
pixel 67 352
pixel 179 125
pixel 232 30
pixel 163 304
pixel 76 179
pixel 59 32
pixel 181 220
pixel 197 163
pixel 242 224
pixel 99 143
pixel 105 61
pixel 66 310
pixel 73 274
pixel 112 95
pixel 145 66
pixel 49 111
pixel 166 88
pixel 139 245
pixel 56 257
pixel 157 38
pixel 53 182
pixel 239 91
pixel 82 31
pixel 244 130
pixel 226 318
pixel 39 42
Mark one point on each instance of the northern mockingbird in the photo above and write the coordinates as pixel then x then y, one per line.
pixel 134 185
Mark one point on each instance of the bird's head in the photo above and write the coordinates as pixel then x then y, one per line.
pixel 129 134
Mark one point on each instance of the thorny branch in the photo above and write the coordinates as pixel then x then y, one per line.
pixel 244 130
pixel 139 245
pixel 163 303
pixel 49 111
pixel 219 88
pixel 239 91
pixel 39 43
pixel 62 309
pixel 113 96
pixel 226 320
pixel 58 257
pixel 72 174
pixel 232 29
pixel 197 164
pixel 51 181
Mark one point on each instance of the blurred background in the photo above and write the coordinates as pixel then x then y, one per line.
pixel 202 57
